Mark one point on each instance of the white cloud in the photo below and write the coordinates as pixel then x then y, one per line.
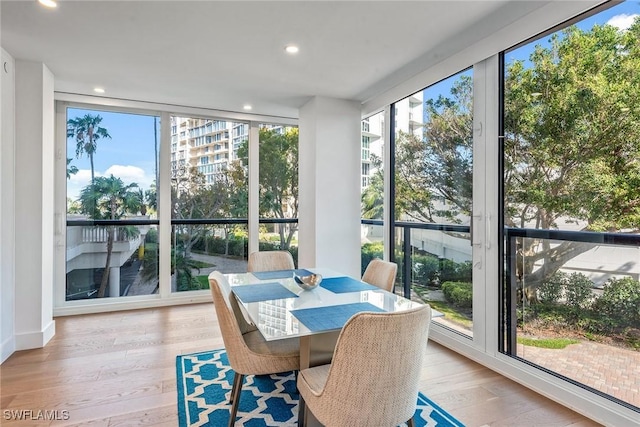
pixel 622 21
pixel 77 182
pixel 130 174
pixel 127 173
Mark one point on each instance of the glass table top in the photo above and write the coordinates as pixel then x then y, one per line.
pixel 318 310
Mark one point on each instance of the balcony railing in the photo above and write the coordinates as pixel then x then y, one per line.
pixel 406 262
pixel 513 238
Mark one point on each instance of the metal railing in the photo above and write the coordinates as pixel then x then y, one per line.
pixel 186 221
pixel 510 290
pixel 406 228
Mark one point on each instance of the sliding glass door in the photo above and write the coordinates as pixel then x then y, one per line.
pixel 432 142
pixel 571 203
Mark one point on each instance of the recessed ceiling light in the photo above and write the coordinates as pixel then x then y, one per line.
pixel 292 49
pixel 48 3
pixel 247 107
pixel 98 90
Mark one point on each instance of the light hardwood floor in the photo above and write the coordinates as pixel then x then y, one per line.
pixel 118 369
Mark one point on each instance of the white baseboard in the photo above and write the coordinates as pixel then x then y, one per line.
pixel 7 348
pixel 131 303
pixel 36 339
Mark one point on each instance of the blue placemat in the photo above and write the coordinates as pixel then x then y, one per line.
pixel 280 274
pixel 340 285
pixel 262 292
pixel 331 317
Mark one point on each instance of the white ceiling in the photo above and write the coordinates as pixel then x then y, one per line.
pixel 222 55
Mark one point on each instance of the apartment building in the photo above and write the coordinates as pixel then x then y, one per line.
pixel 204 144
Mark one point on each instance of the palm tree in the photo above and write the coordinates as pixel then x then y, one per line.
pixel 109 198
pixel 71 169
pixel 87 131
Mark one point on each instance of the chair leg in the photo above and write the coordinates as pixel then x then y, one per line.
pixel 302 421
pixel 236 392
pixel 234 387
pixel 411 423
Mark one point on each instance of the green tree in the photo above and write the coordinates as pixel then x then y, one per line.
pixel 71 169
pixel 194 198
pixel 109 198
pixel 278 177
pixel 571 146
pixel 182 269
pixel 87 132
pixel 572 141
pixel 151 196
pixel 372 200
pixel 434 173
pixel 73 206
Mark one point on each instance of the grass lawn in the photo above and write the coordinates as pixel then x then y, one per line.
pixel 452 314
pixel 201 264
pixel 556 343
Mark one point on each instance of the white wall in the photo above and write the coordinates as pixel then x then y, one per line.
pixel 7 205
pixel 329 201
pixel 34 214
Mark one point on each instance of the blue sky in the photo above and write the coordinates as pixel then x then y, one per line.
pixel 620 16
pixel 129 154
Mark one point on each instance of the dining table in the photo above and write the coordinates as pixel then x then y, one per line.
pixel 279 308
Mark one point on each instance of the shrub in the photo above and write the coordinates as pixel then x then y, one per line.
pixel 551 290
pixel 579 292
pixel 451 271
pixel 426 269
pixel 368 252
pixel 152 236
pixel 459 294
pixel 620 302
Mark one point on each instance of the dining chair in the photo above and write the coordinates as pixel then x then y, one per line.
pixel 381 274
pixel 374 376
pixel 249 353
pixel 270 261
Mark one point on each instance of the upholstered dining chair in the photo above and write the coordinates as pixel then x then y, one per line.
pixel 381 274
pixel 270 261
pixel 248 352
pixel 373 378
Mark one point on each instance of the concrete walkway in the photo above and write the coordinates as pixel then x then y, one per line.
pixel 221 263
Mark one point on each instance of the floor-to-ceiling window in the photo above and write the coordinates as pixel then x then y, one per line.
pixel 111 211
pixel 372 188
pixel 432 205
pixel 278 188
pixel 209 200
pixel 156 200
pixel 571 176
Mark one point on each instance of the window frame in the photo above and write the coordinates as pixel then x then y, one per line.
pixel 61 307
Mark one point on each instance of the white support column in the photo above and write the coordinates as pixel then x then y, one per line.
pixel 34 204
pixel 114 282
pixel 164 207
pixel 253 227
pixel 7 208
pixel 389 244
pixel 329 202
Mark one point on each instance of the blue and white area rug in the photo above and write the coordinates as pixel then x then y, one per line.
pixel 204 381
